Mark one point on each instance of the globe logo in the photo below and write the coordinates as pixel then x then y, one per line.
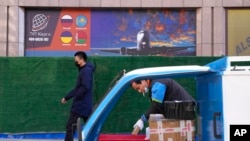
pixel 39 22
pixel 81 21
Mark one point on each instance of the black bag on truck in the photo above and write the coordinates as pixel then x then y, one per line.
pixel 182 110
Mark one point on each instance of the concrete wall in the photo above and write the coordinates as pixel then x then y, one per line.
pixel 211 24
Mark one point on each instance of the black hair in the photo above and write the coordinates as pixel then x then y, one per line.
pixel 138 81
pixel 81 55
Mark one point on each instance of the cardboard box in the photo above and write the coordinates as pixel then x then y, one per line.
pixel 162 129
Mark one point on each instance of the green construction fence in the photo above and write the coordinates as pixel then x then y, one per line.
pixel 31 89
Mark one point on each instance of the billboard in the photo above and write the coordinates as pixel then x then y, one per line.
pixel 238 37
pixel 110 32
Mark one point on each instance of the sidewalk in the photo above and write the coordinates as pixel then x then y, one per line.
pixel 2 139
pixel 32 140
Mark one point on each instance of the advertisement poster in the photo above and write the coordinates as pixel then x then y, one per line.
pixel 238 37
pixel 110 32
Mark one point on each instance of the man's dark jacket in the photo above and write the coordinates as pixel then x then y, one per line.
pixel 82 93
pixel 173 92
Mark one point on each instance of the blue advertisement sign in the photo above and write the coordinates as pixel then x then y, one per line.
pixel 114 32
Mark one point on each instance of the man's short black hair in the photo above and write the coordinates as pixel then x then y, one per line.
pixel 138 81
pixel 81 55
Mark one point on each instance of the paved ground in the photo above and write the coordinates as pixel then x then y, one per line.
pixel 40 136
pixel 31 140
pixel 1 139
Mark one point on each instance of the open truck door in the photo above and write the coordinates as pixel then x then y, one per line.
pixel 92 128
pixel 221 87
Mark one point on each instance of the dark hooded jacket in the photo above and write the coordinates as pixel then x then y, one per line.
pixel 82 93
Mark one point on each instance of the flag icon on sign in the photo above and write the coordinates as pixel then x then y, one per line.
pixel 66 21
pixel 81 21
pixel 81 37
pixel 66 37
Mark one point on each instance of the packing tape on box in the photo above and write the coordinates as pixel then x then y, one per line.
pixel 160 131
pixel 186 130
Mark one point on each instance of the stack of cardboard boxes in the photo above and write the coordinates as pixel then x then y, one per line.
pixel 180 127
pixel 162 129
pixel 177 123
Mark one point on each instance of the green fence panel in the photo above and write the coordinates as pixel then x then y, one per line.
pixel 31 89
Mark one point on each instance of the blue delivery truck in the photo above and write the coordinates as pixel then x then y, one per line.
pixel 222 95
